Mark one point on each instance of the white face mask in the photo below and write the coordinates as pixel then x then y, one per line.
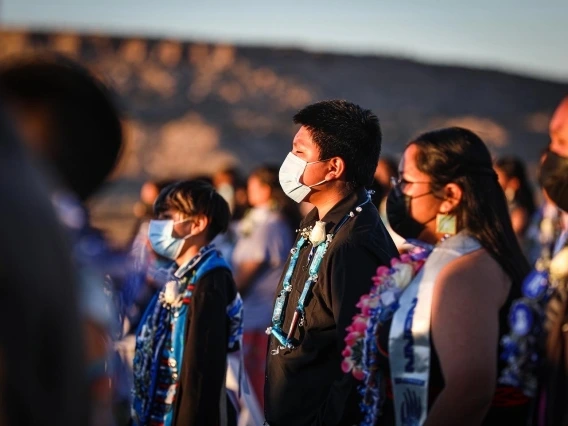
pixel 290 174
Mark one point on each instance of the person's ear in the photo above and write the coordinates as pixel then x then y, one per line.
pixel 336 169
pixel 200 223
pixel 452 198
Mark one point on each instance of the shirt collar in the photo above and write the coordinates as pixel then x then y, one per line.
pixel 194 261
pixel 337 212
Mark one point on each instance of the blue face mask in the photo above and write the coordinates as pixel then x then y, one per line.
pixel 161 239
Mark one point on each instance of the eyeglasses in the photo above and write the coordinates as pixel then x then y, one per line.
pixel 402 183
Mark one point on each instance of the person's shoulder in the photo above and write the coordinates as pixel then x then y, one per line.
pixel 218 280
pixel 474 263
pixel 474 272
pixel 363 222
pixel 368 217
pixel 220 274
pixel 365 231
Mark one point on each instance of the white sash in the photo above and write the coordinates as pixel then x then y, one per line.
pixel 409 338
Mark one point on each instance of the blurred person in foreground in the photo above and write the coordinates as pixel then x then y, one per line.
pixel 552 409
pixel 338 248
pixel 520 199
pixel 68 120
pixel 265 237
pixel 554 168
pixel 190 327
pixel 42 377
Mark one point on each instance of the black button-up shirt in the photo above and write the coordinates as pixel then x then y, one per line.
pixel 305 386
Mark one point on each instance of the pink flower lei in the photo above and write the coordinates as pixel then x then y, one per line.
pixel 376 308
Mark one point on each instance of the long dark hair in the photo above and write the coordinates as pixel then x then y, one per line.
pixel 514 168
pixel 268 175
pixel 458 155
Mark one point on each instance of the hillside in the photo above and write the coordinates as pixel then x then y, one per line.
pixel 191 108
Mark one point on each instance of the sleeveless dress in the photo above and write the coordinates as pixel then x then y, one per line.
pixel 509 405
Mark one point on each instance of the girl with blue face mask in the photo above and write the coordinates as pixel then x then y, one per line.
pixel 196 319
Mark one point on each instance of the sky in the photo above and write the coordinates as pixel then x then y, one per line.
pixel 522 36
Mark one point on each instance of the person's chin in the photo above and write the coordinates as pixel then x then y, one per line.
pixel 313 196
pixel 428 236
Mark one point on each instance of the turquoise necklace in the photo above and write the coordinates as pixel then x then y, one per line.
pixel 315 258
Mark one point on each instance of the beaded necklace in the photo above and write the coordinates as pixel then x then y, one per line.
pixel 315 258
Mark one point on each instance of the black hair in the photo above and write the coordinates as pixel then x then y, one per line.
pixel 343 129
pixel 458 155
pixel 83 133
pixel 268 175
pixel 196 197
pixel 513 167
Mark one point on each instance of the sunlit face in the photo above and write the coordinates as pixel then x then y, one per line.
pixel 559 140
pixel 502 177
pixel 148 193
pixel 259 193
pixel 424 206
pixel 305 148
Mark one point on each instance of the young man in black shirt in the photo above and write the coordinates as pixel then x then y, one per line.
pixel 340 245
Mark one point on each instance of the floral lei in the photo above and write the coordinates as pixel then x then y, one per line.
pixel 376 308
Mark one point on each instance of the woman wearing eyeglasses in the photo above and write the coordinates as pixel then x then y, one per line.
pixel 438 316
